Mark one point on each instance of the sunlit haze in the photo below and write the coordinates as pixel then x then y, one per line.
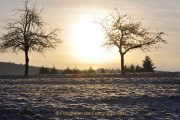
pixel 82 38
pixel 87 41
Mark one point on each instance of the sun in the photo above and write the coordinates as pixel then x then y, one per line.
pixel 88 40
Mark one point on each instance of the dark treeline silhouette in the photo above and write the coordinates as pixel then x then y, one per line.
pixel 18 69
pixel 77 71
pixel 147 66
pixel 46 70
pixel 90 70
pixel 106 70
pixel 71 71
pixel 133 68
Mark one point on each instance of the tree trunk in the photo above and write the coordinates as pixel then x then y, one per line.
pixel 27 63
pixel 122 63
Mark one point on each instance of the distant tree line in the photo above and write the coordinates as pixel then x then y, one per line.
pixel 45 70
pixel 77 71
pixel 147 66
pixel 90 70
pixel 106 70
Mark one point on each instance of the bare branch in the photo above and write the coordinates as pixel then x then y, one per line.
pixel 27 33
pixel 126 34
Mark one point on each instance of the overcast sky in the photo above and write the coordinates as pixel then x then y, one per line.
pixel 69 15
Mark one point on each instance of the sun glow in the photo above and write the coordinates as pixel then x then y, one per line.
pixel 88 41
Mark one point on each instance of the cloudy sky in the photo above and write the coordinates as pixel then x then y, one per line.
pixel 82 38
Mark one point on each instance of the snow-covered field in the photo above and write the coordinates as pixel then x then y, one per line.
pixel 137 97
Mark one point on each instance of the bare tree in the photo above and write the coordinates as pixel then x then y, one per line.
pixel 27 33
pixel 127 34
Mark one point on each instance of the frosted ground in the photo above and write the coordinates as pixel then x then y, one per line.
pixel 147 96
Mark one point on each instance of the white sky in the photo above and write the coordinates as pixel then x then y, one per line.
pixel 69 15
